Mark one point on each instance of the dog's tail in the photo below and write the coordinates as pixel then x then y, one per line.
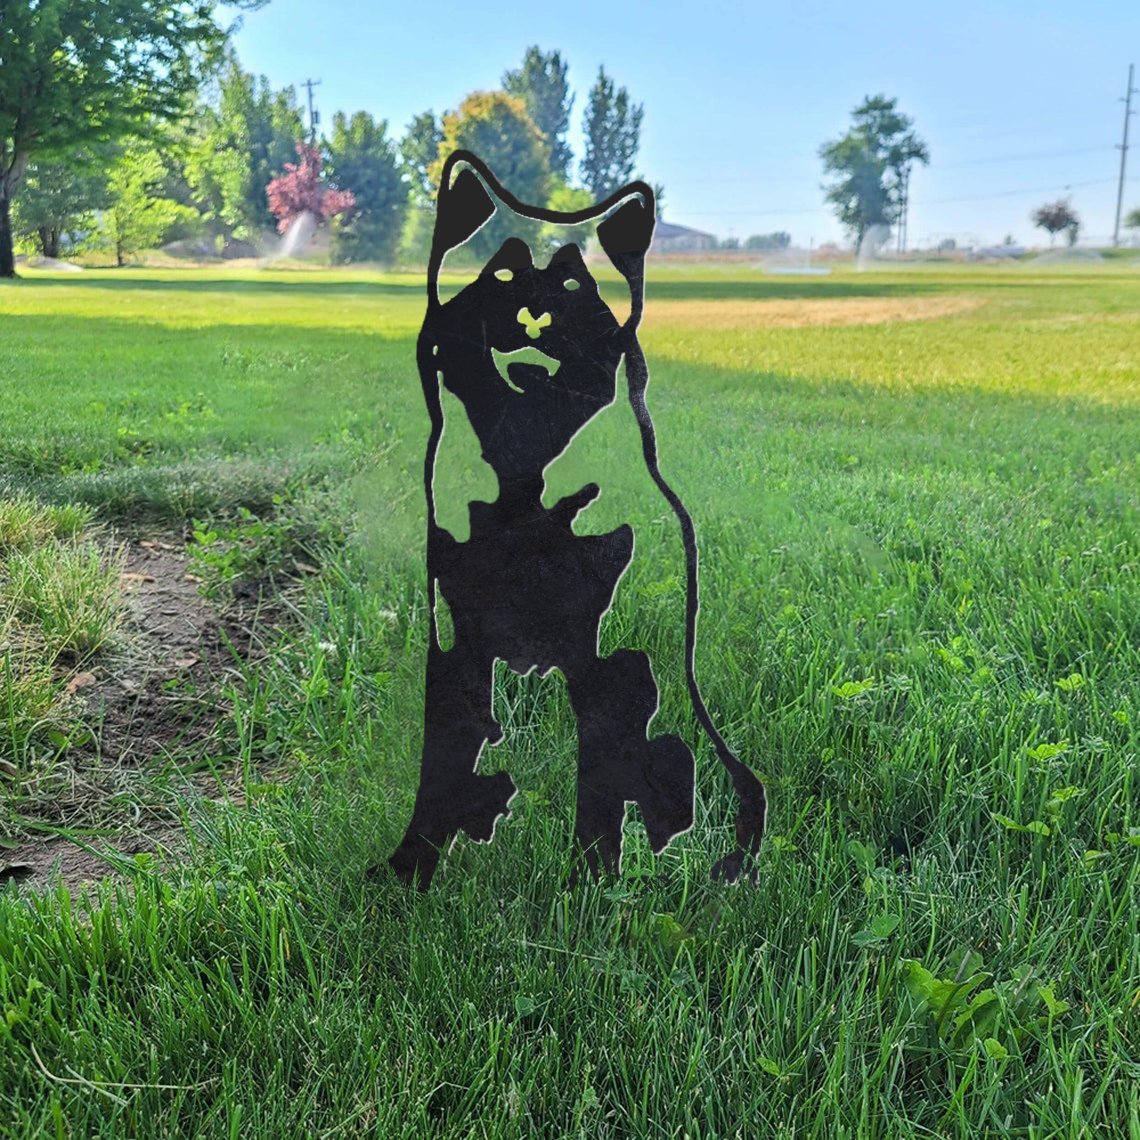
pixel 752 812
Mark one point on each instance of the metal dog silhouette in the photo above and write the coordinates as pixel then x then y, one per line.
pixel 533 354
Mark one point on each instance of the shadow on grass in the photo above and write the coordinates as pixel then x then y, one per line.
pixel 414 286
pixel 743 285
pixel 194 419
pixel 156 421
pixel 314 286
pixel 731 289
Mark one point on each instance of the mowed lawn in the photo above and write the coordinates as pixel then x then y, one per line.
pixel 918 499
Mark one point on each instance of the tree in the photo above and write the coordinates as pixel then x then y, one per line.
pixel 240 144
pixel 419 150
pixel 75 73
pixel 568 199
pixel 613 135
pixel 299 190
pixel 1133 219
pixel 781 239
pixel 58 197
pixel 361 156
pixel 1055 217
pixel 497 128
pixel 541 84
pixel 137 216
pixel 870 164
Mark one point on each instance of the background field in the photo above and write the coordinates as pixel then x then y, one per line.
pixel 917 497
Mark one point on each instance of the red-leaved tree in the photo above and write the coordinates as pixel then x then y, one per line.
pixel 300 191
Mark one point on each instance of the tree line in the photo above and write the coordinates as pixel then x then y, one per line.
pixel 128 124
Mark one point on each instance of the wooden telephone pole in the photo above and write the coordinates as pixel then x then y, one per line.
pixel 314 115
pixel 1123 148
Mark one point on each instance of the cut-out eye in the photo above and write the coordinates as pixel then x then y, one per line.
pixel 571 284
pixel 504 275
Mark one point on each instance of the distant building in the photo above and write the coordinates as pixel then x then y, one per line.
pixel 668 238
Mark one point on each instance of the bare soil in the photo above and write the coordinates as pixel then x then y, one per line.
pixel 152 708
pixel 149 702
pixel 37 866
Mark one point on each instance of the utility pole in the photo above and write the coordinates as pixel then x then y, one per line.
pixel 1123 148
pixel 314 116
pixel 904 207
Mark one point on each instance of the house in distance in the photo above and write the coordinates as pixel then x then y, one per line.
pixel 669 238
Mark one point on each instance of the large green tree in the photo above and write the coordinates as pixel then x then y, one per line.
pixel 868 165
pixel 58 197
pixel 419 150
pixel 362 158
pixel 497 128
pixel 613 135
pixel 138 214
pixel 242 141
pixel 541 84
pixel 75 73
pixel 566 200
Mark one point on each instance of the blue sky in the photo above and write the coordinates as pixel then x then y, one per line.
pixel 1018 100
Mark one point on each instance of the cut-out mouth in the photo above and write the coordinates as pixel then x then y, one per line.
pixel 528 355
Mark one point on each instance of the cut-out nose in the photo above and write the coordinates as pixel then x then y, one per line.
pixel 534 325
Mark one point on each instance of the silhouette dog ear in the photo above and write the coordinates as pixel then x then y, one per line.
pixel 625 235
pixel 463 207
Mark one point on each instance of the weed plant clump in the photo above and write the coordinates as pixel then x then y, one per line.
pixel 60 603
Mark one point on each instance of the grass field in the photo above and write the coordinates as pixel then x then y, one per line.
pixel 918 498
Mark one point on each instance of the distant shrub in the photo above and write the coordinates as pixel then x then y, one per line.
pixel 781 239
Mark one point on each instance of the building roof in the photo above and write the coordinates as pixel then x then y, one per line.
pixel 669 230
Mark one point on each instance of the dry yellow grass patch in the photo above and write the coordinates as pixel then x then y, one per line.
pixel 736 316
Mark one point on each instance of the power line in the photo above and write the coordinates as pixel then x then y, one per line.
pixel 989 160
pixel 922 202
pixel 1014 193
pixel 1024 157
pixel 1051 118
pixel 1128 113
pixel 1029 124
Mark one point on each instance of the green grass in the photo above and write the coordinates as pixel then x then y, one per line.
pixel 60 603
pixel 71 595
pixel 920 624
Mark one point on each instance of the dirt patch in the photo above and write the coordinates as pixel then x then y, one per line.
pixel 151 712
pixel 152 700
pixel 38 865
pixel 741 316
